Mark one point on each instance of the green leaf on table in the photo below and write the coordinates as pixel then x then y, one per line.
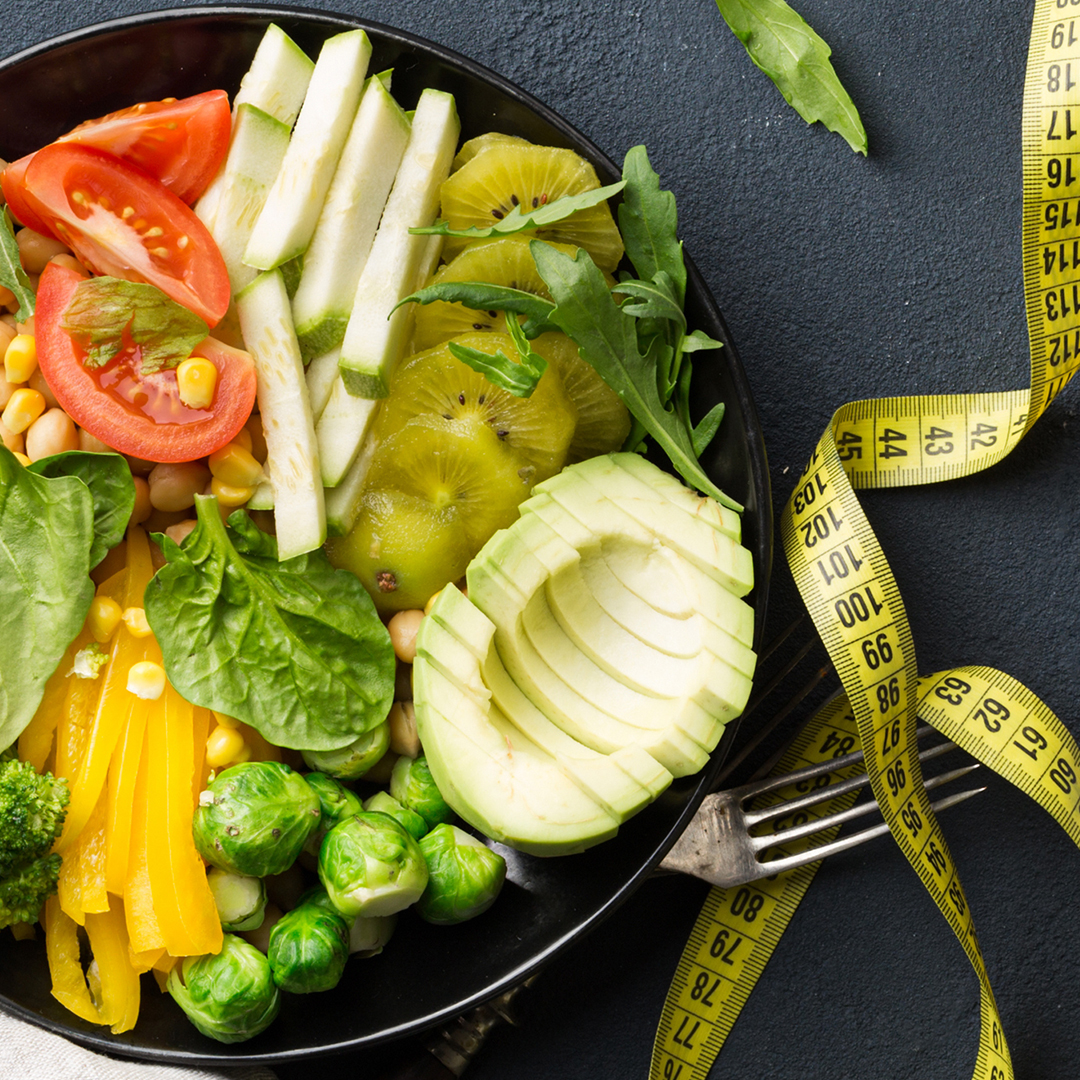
pixel 648 222
pixel 607 338
pixel 46 531
pixel 518 220
pixel 106 312
pixel 12 274
pixel 294 648
pixel 108 476
pixel 481 296
pixel 697 340
pixel 783 45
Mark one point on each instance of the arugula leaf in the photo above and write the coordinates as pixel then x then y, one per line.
pixel 111 487
pixel 46 531
pixel 482 296
pixel 516 377
pixel 12 274
pixel 648 222
pixel 518 220
pixel 105 312
pixel 658 297
pixel 607 338
pixel 783 45
pixel 698 339
pixel 295 649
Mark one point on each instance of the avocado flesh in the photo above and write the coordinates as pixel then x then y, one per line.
pixel 711 551
pixel 630 478
pixel 622 782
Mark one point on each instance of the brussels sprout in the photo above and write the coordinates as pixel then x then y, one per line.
pixel 254 818
pixel 337 802
pixel 229 996
pixel 308 949
pixel 385 803
pixel 352 761
pixel 464 876
pixel 412 785
pixel 240 900
pixel 370 865
pixel 367 934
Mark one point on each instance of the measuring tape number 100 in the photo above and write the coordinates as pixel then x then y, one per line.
pixel 850 593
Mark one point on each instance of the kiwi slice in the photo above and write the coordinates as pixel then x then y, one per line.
pixel 505 175
pixel 435 383
pixel 478 145
pixel 603 421
pixel 457 462
pixel 403 548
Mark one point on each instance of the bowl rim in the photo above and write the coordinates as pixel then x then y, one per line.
pixel 760 502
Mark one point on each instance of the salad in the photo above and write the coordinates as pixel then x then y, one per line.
pixel 319 456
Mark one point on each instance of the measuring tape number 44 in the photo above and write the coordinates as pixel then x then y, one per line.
pixel 852 597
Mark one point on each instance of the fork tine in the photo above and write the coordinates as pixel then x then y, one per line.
pixel 797 832
pixel 789 862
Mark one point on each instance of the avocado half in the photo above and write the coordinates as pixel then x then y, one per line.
pixel 602 647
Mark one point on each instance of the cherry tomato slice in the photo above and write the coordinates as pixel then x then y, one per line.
pixel 121 222
pixel 182 143
pixel 138 415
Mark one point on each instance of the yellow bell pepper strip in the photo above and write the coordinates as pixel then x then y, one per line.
pixel 115 561
pixel 81 883
pixel 142 924
pixel 123 773
pixel 36 741
pixel 184 905
pixel 117 979
pixel 144 961
pixel 115 702
pixel 161 970
pixel 204 721
pixel 62 949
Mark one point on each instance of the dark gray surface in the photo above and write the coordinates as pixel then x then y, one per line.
pixel 840 277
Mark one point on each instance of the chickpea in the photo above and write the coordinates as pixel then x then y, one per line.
pixel 12 440
pixel 69 262
pixel 138 466
pixel 51 433
pixel 6 389
pixel 403 627
pixel 174 485
pixel 37 382
pixel 7 336
pixel 7 298
pixel 176 533
pixel 142 508
pixel 403 736
pixel 260 936
pixel 36 250
pixel 28 326
pixel 91 443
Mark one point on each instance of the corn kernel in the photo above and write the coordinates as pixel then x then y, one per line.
pixel 229 495
pixel 243 438
pixel 20 359
pixel 225 721
pixel 22 459
pixel 223 746
pixel 135 620
pixel 23 408
pixel 196 380
pixel 103 618
pixel 146 680
pixel 244 755
pixel 235 466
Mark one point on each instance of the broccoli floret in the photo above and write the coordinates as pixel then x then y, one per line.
pixel 32 810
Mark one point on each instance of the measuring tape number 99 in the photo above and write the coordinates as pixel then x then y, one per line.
pixel 850 593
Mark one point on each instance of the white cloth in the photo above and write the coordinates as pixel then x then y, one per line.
pixel 31 1053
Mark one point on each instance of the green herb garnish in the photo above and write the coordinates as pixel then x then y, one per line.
pixel 106 312
pixel 518 220
pixel 518 377
pixel 480 296
pixel 12 274
pixel 784 46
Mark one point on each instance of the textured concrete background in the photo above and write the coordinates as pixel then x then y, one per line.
pixel 840 277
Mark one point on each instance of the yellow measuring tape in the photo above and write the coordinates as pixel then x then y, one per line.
pixel 851 595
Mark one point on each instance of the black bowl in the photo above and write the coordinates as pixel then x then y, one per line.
pixel 427 974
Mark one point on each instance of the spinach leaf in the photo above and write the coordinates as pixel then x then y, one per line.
pixel 518 220
pixel 12 274
pixel 46 531
pixel 113 491
pixel 783 45
pixel 608 339
pixel 105 311
pixel 295 649
pixel 481 296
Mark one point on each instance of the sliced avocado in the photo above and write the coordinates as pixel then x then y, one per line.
pixel 630 477
pixel 711 551
pixel 622 782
